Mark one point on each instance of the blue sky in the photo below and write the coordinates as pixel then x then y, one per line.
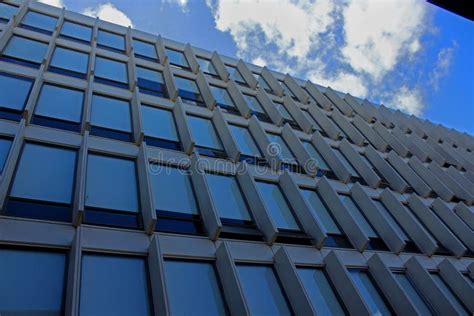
pixel 405 54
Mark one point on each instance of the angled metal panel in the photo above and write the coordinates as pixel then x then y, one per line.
pixel 157 276
pixel 432 154
pixel 457 283
pixel 74 275
pixel 452 184
pixel 369 133
pixel 160 50
pixel 297 148
pixel 80 182
pixel 263 143
pixel 339 102
pixel 146 196
pixel 396 182
pixel 355 136
pixel 271 81
pixel 169 82
pixel 318 96
pixel 189 55
pixel 231 147
pixel 238 99
pixel 460 178
pixel 408 143
pixel 297 114
pixel 137 122
pixel 362 167
pixel 465 213
pixel 326 124
pixel 296 89
pixel 205 91
pixel 269 107
pixel 390 139
pixel 182 127
pixel 247 74
pixel 365 110
pixel 219 66
pixel 330 157
pixel 441 190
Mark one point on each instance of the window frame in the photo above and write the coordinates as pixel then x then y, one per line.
pixel 13 114
pixel 204 150
pixel 151 87
pixel 159 141
pixel 71 38
pixel 178 66
pixel 111 82
pixel 110 48
pixel 37 28
pixel 65 71
pixel 20 61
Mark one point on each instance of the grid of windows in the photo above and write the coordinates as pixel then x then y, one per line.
pixel 7 11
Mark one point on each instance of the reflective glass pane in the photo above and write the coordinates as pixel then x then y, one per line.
pixel 176 58
pixel 43 164
pixel 111 113
pixel 263 83
pixel 32 282
pixel 144 49
pixel 167 183
pixel 222 96
pixel 159 123
pixel 253 103
pixel 186 85
pixel 320 211
pixel 262 291
pixel 14 92
pixel 111 183
pixel 193 288
pixel 7 11
pixel 204 133
pixel 277 206
pixel 206 66
pixel 245 141
pixel 40 21
pixel 149 74
pixel 310 118
pixel 283 111
pixel 70 60
pixel 5 145
pixel 111 40
pixel 77 31
pixel 227 197
pixel 359 217
pixel 460 309
pixel 113 285
pixel 61 103
pixel 111 70
pixel 389 217
pixel 321 163
pixel 345 162
pixel 320 292
pixel 281 148
pixel 413 294
pixel 369 293
pixel 234 74
pixel 26 49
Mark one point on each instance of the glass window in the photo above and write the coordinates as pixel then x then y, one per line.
pixel 227 197
pixel 7 12
pixel 39 165
pixel 320 292
pixel 26 51
pixel 111 70
pixel 193 288
pixel 70 60
pixel 253 103
pixel 60 103
pixel 369 292
pixel 315 155
pixel 110 40
pixel 39 22
pixel 222 97
pixel 5 145
pixel 151 81
pixel 32 282
pixel 159 123
pixel 167 183
pixel 388 215
pixel 310 118
pixel 460 309
pixel 245 141
pixel 281 148
pixel 235 74
pixel 188 91
pixel 262 290
pixel 114 285
pixel 206 66
pixel 111 113
pixel 263 84
pixel 320 211
pixel 277 206
pixel 359 217
pixel 345 162
pixel 287 89
pixel 144 49
pixel 283 111
pixel 415 297
pixel 76 31
pixel 204 133
pixel 14 93
pixel 111 183
pixel 176 58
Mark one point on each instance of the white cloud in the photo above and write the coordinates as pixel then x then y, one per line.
pixel 343 81
pixel 56 3
pixel 108 12
pixel 183 4
pixel 443 63
pixel 407 100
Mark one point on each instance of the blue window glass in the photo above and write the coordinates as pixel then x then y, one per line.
pixel 25 51
pixel 39 22
pixel 345 162
pixel 76 31
pixel 320 211
pixel 460 308
pixel 310 118
pixel 188 91
pixel 359 217
pixel 193 288
pixel 41 281
pixel 281 148
pixel 70 62
pixel 319 160
pixel 388 215
pixel 111 113
pixel 59 103
pixel 159 123
pixel 206 66
pixel 262 291
pixel 5 145
pixel 234 74
pixel 6 12
pixel 111 40
pixel 222 97
pixel 283 111
pixel 110 70
pixel 144 49
pixel 422 306
pixel 176 58
pixel 204 133
pixel 253 103
pixel 320 293
pixel 227 197
pixel 13 95
pixel 369 292
pixel 111 183
pixel 114 285
pixel 286 89
pixel 263 84
pixel 151 82
pixel 277 206
pixel 245 141
pixel 169 182
pixel 44 164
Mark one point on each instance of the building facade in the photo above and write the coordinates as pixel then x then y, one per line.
pixel 144 176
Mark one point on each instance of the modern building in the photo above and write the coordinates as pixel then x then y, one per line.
pixel 144 176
